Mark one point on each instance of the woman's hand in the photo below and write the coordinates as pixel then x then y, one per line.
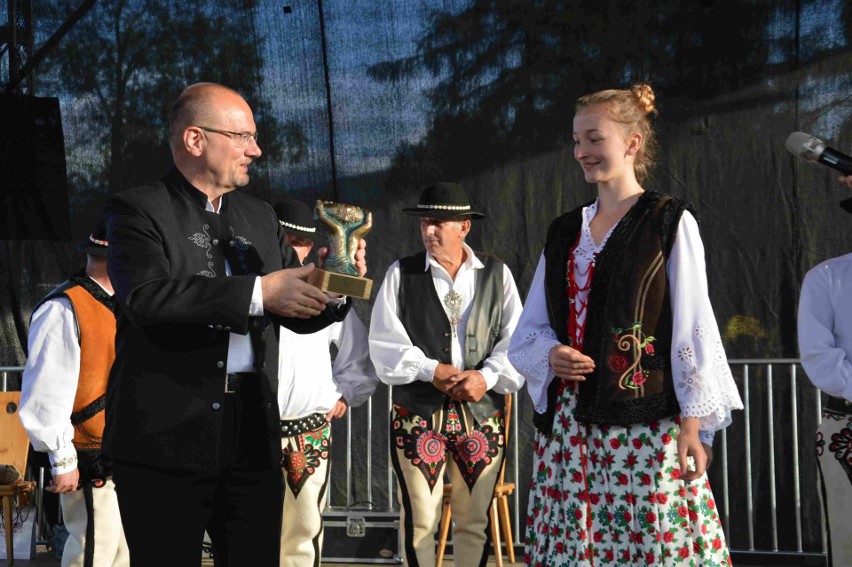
pixel 569 363
pixel 689 445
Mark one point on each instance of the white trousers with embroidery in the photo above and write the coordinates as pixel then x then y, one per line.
pixel 421 449
pixel 834 449
pixel 305 466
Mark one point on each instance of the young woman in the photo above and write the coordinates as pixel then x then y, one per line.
pixel 624 363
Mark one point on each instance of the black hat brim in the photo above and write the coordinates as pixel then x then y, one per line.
pixel 441 213
pixel 314 236
pixel 92 250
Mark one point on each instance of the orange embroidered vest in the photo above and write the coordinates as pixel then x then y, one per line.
pixel 97 353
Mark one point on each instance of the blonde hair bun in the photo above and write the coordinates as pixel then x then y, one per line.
pixel 646 97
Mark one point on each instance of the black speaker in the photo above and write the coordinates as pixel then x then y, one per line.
pixel 33 171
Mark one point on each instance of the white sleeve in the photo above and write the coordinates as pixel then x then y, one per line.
pixel 530 346
pixel 827 365
pixel 703 382
pixel 352 371
pixel 49 383
pixel 396 359
pixel 498 372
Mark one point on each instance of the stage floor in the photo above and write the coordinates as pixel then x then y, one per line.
pixel 45 559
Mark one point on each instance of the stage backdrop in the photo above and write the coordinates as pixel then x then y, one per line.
pixel 367 101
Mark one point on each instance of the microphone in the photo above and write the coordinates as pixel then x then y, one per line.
pixel 812 148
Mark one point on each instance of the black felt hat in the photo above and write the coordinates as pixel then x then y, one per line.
pixel 443 200
pixel 296 218
pixel 96 244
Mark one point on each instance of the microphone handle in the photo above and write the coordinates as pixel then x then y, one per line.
pixel 836 160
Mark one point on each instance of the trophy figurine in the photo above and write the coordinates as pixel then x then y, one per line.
pixel 345 225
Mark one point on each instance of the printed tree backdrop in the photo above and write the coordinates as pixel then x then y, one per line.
pixel 482 93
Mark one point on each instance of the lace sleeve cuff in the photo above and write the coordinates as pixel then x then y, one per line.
pixel 530 357
pixel 704 385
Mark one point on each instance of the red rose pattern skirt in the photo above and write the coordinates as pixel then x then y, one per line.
pixel 611 495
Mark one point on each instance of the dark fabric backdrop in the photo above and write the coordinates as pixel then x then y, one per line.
pixel 479 92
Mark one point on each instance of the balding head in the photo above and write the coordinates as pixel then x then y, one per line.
pixel 200 103
pixel 206 124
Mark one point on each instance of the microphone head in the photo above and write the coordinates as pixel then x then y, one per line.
pixel 804 146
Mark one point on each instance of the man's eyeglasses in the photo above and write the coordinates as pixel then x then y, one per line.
pixel 240 139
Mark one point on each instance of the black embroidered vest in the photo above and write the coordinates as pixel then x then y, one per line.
pixel 425 321
pixel 628 322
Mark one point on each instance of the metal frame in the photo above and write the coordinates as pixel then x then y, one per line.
pixel 19 73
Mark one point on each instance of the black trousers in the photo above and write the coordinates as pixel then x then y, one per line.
pixel 165 512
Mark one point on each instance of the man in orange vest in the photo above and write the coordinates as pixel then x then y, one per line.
pixel 71 350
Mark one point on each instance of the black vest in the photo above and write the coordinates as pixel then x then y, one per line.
pixel 426 323
pixel 629 278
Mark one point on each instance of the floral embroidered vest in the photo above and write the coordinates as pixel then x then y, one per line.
pixel 95 321
pixel 629 321
pixel 425 321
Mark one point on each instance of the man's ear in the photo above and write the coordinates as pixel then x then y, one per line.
pixel 193 141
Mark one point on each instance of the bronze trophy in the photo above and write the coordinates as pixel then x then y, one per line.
pixel 346 225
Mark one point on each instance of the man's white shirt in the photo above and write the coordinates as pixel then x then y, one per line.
pixel 398 361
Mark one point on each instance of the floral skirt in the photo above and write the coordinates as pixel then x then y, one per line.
pixel 612 495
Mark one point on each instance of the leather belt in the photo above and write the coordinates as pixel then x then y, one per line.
pixel 838 405
pixel 236 382
pixel 293 427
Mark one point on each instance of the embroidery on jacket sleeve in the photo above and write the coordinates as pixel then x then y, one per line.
pixel 202 240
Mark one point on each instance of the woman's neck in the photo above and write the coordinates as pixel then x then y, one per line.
pixel 617 197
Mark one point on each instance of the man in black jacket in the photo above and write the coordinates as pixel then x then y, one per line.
pixel 201 286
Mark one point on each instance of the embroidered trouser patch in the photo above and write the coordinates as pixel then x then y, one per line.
pixel 419 455
pixel 473 447
pixel 302 455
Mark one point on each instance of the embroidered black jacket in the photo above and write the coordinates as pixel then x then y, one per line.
pixel 628 322
pixel 175 310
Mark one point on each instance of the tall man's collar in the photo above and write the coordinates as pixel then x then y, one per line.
pixel 471 262
pixel 176 179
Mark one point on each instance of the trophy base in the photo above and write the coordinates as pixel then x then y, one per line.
pixel 344 284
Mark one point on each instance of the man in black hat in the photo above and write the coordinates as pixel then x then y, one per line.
pixel 439 334
pixel 312 392
pixel 71 349
pixel 825 347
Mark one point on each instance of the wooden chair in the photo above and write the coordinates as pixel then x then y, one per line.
pixel 13 451
pixel 499 510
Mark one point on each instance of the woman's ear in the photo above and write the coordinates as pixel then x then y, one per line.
pixel 634 143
